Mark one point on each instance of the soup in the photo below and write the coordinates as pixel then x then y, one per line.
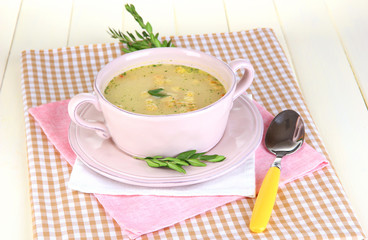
pixel 162 89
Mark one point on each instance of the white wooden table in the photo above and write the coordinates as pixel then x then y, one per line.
pixel 325 40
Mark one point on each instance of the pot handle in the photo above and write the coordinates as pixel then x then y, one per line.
pixel 73 107
pixel 247 78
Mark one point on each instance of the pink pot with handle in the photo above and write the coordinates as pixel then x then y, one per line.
pixel 166 135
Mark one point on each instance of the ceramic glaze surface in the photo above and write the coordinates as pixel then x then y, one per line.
pixel 167 135
pixel 242 136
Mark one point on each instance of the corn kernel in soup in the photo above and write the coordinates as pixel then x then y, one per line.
pixel 163 89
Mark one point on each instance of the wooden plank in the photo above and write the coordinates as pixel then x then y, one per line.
pixel 244 15
pixel 91 19
pixel 41 24
pixel 8 18
pixel 331 93
pixel 351 23
pixel 197 17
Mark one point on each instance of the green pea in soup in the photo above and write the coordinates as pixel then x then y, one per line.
pixel 163 89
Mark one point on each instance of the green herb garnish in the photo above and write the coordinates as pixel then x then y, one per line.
pixel 144 40
pixel 188 158
pixel 157 92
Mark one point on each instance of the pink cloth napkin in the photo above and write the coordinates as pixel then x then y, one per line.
pixel 138 215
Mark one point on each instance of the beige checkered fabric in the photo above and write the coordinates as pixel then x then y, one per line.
pixel 314 207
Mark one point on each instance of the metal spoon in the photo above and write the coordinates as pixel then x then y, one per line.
pixel 284 136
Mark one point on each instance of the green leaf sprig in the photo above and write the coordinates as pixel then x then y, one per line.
pixel 188 158
pixel 144 40
pixel 157 92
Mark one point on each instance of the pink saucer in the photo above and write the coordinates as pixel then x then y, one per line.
pixel 242 136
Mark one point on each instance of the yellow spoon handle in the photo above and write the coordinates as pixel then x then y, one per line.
pixel 266 199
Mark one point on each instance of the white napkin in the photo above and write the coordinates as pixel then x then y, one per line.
pixel 240 181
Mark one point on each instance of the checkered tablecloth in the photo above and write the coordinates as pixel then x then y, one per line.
pixel 314 207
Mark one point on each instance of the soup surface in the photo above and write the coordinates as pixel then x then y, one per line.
pixel 163 89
